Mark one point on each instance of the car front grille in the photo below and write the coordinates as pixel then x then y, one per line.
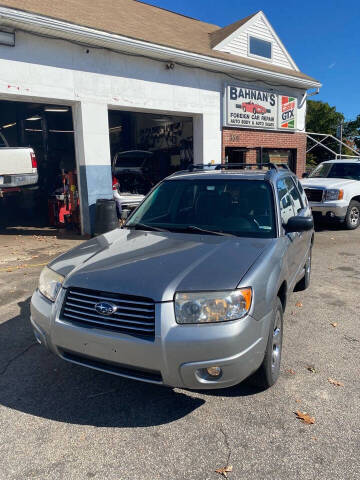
pixel 134 315
pixel 314 194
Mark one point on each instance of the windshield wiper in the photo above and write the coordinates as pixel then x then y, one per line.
pixel 194 228
pixel 143 226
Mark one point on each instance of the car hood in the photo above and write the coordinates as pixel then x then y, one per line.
pixel 326 182
pixel 157 264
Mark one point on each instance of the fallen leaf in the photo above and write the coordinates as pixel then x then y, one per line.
pixel 334 324
pixel 311 369
pixel 9 269
pixel 297 400
pixel 224 471
pixel 291 371
pixel 298 304
pixel 305 417
pixel 335 382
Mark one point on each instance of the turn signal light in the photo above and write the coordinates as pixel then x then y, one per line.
pixel 341 194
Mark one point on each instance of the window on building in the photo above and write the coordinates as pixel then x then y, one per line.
pixel 259 47
pixel 279 155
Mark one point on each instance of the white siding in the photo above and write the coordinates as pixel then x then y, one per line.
pixel 259 29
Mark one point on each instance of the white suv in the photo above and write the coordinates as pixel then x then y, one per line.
pixel 333 191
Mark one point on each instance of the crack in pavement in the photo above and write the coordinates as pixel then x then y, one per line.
pixel 7 365
pixel 227 445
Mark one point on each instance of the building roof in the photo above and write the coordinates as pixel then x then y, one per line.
pixel 221 33
pixel 138 20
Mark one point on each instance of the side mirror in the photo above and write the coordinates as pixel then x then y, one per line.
pixel 299 224
pixel 305 175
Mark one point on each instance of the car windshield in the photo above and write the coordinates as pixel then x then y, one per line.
pixel 236 207
pixel 349 171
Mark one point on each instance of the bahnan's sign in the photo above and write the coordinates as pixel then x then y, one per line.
pixel 255 108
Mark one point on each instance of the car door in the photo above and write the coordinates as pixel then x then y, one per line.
pixel 287 210
pixel 301 209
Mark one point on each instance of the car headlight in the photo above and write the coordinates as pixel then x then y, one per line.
pixel 212 307
pixel 334 194
pixel 50 283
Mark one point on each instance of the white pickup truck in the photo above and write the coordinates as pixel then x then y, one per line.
pixel 333 191
pixel 18 167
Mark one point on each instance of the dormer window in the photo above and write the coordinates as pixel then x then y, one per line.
pixel 260 48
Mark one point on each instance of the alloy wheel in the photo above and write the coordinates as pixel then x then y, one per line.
pixel 276 343
pixel 354 216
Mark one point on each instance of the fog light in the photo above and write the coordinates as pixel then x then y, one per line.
pixel 214 371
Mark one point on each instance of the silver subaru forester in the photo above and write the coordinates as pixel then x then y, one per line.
pixel 191 291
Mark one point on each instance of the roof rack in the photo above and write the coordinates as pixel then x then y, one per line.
pixel 224 166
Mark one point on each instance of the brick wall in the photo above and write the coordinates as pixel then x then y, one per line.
pixel 258 138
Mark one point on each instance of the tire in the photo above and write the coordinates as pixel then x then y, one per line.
pixel 269 370
pixel 304 283
pixel 352 219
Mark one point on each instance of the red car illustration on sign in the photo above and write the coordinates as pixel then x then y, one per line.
pixel 253 107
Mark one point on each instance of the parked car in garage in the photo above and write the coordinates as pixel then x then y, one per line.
pixel 333 190
pixel 191 291
pixel 132 169
pixel 18 167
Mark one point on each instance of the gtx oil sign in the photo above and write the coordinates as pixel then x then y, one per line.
pixel 287 112
pixel 256 108
pixel 251 108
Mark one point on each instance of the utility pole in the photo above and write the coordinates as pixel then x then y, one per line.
pixel 339 134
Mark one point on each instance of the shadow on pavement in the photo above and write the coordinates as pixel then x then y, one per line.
pixel 38 383
pixel 59 233
pixel 325 225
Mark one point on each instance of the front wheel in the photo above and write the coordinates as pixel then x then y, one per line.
pixel 269 370
pixel 352 219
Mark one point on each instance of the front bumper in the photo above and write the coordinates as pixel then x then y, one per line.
pixel 334 210
pixel 177 357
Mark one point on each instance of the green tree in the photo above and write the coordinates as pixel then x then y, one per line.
pixel 352 132
pixel 322 118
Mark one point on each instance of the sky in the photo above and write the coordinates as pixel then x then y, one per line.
pixel 323 37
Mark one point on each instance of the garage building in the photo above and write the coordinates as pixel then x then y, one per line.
pixel 88 83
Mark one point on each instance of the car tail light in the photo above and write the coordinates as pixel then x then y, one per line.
pixel 33 160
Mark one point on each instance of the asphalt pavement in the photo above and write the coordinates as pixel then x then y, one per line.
pixel 61 421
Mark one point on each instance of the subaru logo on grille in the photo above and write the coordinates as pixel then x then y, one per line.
pixel 105 308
